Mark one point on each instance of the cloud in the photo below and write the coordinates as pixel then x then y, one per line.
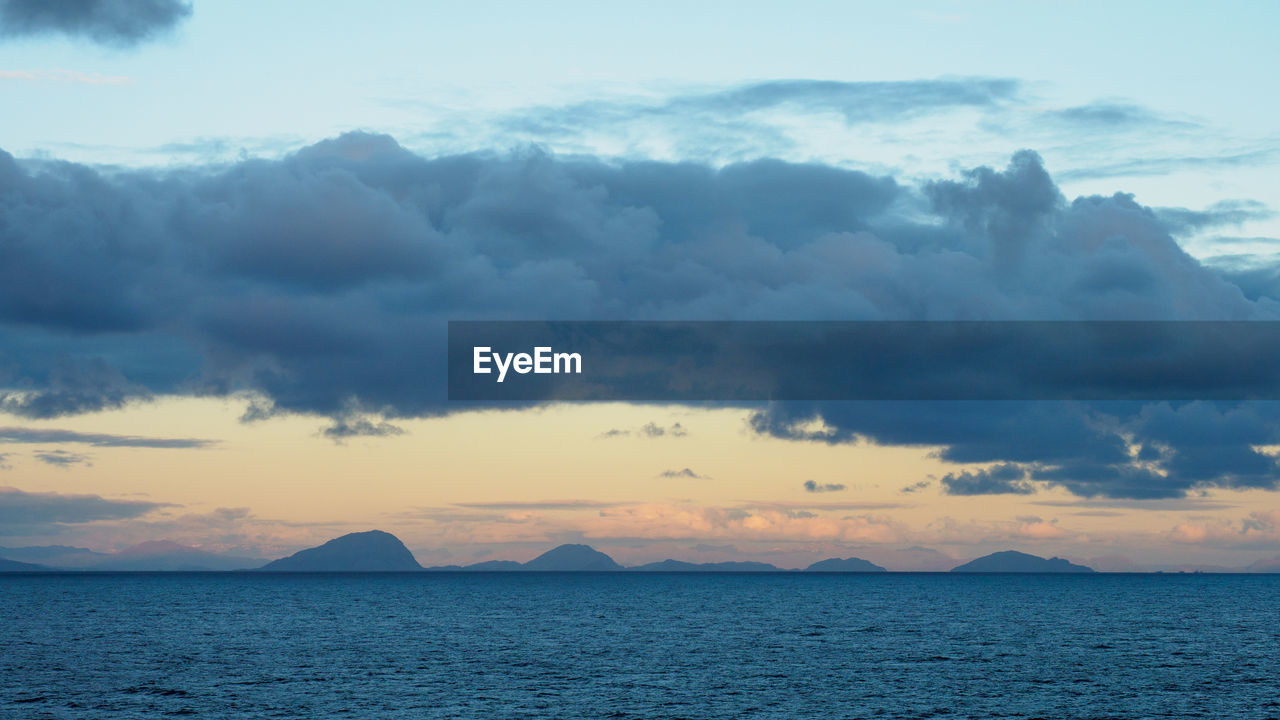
pixel 814 487
pixel 654 430
pixel 71 387
pixel 1001 479
pixel 854 102
pixel 321 283
pixel 1142 166
pixel 648 430
pixel 345 427
pixel 683 473
pixel 42 435
pixel 119 23
pixel 1113 115
pixel 21 512
pixel 1102 449
pixel 1257 530
pixel 62 458
pixel 1182 221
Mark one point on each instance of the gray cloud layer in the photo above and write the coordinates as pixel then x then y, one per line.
pixel 855 102
pixel 20 511
pixel 321 283
pixel 42 435
pixel 121 23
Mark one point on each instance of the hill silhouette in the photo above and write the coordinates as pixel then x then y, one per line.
pixel 16 566
pixel 372 551
pixel 150 556
pixel 494 566
pixel 572 558
pixel 1012 561
pixel 852 564
pixel 730 566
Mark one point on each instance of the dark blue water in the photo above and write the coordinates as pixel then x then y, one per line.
pixel 640 646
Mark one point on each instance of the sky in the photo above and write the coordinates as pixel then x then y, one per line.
pixel 231 234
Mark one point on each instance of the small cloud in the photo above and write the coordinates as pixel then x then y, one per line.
pixel 1111 115
pixel 349 427
pixel 684 473
pixel 648 430
pixel 62 458
pixel 49 435
pixel 1005 479
pixel 814 487
pixel 917 487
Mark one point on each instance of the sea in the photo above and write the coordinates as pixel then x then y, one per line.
pixel 631 645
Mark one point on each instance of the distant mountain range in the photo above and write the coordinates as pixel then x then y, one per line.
pixel 372 551
pixel 159 555
pixel 1012 561
pixel 377 551
pixel 844 565
pixel 15 566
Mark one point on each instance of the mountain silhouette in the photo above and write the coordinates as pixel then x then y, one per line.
pixel 56 556
pixel 844 565
pixel 372 551
pixel 1012 561
pixel 682 566
pixel 150 556
pixel 575 558
pixel 494 566
pixel 16 566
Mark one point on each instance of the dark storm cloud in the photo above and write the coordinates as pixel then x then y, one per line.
pixel 1257 276
pixel 19 509
pixel 321 283
pixel 41 435
pixel 816 487
pixel 121 23
pixel 72 387
pixel 1081 447
pixel 1001 479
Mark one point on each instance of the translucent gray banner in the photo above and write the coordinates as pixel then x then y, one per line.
pixel 760 361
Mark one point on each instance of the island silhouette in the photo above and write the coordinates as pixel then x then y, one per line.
pixel 372 551
pixel 1012 561
pixel 378 551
